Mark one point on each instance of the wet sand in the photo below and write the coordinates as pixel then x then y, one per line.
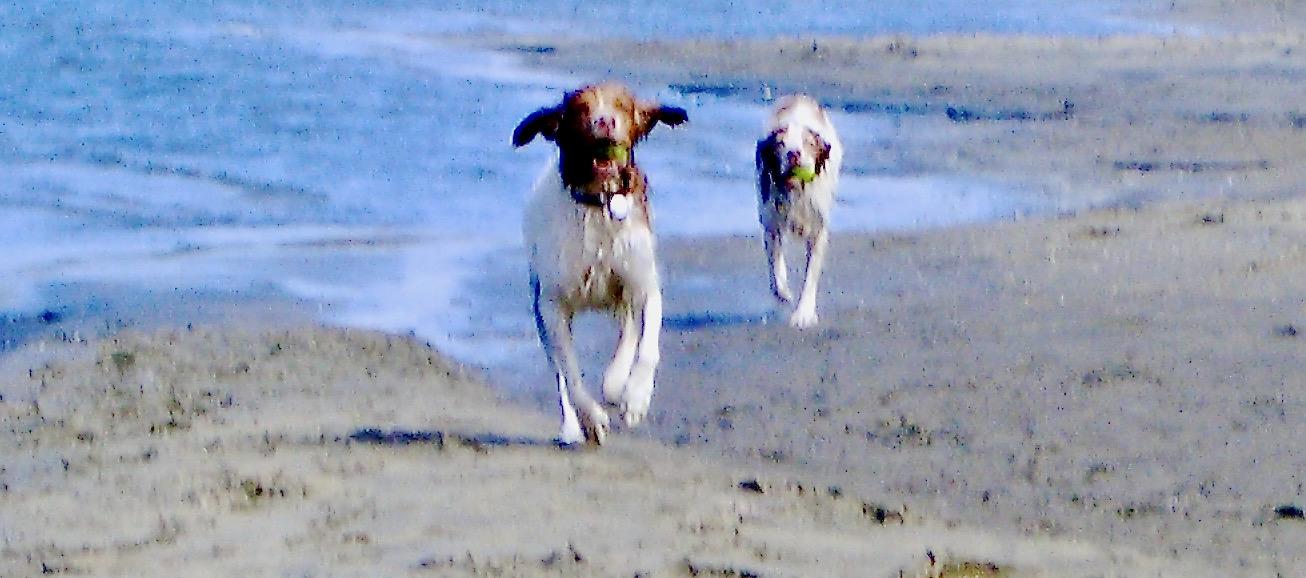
pixel 1110 393
pixel 307 451
pixel 1125 375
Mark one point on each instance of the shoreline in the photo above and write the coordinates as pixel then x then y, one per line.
pixel 1109 121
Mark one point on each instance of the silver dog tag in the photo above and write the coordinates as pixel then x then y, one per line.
pixel 619 207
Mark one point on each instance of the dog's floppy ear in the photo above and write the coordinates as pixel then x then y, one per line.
pixel 767 161
pixel 649 115
pixel 768 166
pixel 543 122
pixel 671 115
pixel 822 152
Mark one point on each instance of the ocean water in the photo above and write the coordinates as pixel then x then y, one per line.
pixel 343 152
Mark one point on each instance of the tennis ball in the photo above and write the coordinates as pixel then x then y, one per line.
pixel 803 174
pixel 617 153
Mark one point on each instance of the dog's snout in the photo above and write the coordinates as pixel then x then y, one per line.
pixel 793 157
pixel 604 125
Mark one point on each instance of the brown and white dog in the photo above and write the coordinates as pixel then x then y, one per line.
pixel 797 174
pixel 589 234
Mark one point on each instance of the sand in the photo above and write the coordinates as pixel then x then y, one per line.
pixel 309 451
pixel 1108 392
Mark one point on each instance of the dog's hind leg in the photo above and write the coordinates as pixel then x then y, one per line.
pixel 618 372
pixel 804 315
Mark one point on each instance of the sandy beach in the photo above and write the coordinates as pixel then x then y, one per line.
pixel 317 452
pixel 1113 392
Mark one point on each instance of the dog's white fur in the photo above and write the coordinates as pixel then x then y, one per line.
pixel 803 211
pixel 591 247
pixel 578 256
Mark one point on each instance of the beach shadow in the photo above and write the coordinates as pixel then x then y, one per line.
pixel 709 319
pixel 381 437
pixel 481 441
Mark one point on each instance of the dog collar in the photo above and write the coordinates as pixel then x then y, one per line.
pixel 584 198
pixel 600 199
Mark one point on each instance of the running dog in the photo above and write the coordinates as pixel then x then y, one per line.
pixel 589 233
pixel 797 173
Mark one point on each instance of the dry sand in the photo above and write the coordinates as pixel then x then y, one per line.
pixel 1115 393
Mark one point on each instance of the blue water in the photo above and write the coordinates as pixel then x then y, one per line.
pixel 346 152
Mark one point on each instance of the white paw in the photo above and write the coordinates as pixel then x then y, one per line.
pixel 639 395
pixel 803 318
pixel 614 386
pixel 636 410
pixel 594 423
pixel 570 433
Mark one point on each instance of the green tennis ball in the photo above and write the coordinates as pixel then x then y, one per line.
pixel 803 174
pixel 617 153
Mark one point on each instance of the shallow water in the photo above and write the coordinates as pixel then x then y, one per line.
pixel 340 152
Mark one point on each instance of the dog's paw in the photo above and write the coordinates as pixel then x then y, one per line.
pixel 570 434
pixel 803 318
pixel 636 410
pixel 782 294
pixel 594 423
pixel 639 395
pixel 614 388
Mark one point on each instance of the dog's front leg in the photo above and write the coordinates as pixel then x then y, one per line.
pixel 593 420
pixel 804 315
pixel 570 432
pixel 618 372
pixel 639 389
pixel 775 259
pixel 555 334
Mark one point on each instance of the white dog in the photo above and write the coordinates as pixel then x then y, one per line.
pixel 589 233
pixel 797 174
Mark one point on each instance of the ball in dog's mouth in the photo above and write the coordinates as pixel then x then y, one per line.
pixel 802 174
pixel 609 159
pixel 616 152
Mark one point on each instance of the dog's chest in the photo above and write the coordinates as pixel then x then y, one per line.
pixel 798 210
pixel 606 257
